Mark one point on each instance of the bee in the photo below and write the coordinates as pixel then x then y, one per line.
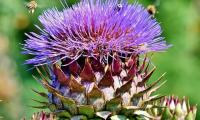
pixel 152 10
pixel 32 5
pixel 118 7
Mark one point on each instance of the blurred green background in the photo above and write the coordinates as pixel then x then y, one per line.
pixel 180 20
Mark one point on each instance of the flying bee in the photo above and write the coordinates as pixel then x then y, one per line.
pixel 32 5
pixel 152 10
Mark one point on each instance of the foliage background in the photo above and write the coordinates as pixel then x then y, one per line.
pixel 180 20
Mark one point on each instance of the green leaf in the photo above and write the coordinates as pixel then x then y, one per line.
pixel 87 110
pixel 40 93
pixel 68 103
pixel 166 115
pixel 178 110
pixel 62 114
pixel 114 104
pixel 52 107
pixel 41 102
pixel 40 107
pixel 190 116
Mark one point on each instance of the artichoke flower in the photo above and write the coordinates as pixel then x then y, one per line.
pixel 178 109
pixel 89 59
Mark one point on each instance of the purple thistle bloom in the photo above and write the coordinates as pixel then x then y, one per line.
pixel 94 28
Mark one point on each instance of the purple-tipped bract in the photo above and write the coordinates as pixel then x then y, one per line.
pixel 94 28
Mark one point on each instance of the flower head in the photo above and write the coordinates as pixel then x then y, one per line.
pixel 179 109
pixel 94 28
